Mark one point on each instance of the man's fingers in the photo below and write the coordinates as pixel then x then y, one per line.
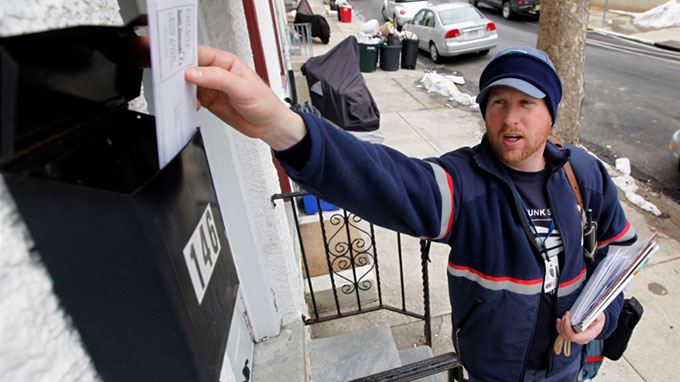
pixel 212 78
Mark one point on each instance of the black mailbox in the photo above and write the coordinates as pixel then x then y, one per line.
pixel 139 257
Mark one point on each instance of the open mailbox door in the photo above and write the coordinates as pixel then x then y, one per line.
pixel 138 257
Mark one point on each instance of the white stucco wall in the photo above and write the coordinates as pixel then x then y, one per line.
pixel 269 272
pixel 37 342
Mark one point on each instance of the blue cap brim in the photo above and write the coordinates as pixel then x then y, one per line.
pixel 514 83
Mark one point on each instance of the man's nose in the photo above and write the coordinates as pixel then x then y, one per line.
pixel 512 115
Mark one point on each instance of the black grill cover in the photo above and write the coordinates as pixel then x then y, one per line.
pixel 320 27
pixel 338 89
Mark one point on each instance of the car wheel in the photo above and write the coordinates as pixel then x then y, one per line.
pixel 507 11
pixel 483 52
pixel 434 53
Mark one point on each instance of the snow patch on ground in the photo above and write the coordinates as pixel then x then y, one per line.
pixel 627 184
pixel 437 83
pixel 664 16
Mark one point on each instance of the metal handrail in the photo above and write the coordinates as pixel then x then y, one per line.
pixel 355 280
pixel 416 370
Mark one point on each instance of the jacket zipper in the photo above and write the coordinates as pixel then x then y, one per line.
pixel 463 321
pixel 532 240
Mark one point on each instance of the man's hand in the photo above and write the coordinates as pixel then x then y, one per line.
pixel 565 330
pixel 236 94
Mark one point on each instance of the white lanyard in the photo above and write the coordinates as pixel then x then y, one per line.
pixel 552 265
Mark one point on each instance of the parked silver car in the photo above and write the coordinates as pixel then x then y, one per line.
pixel 401 11
pixel 511 8
pixel 674 147
pixel 451 29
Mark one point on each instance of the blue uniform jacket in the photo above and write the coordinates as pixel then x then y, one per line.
pixel 465 199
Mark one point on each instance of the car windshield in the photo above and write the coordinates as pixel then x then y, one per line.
pixel 458 15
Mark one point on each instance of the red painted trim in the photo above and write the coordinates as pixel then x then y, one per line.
pixel 575 279
pixel 261 70
pixel 450 182
pixel 496 279
pixel 255 39
pixel 284 183
pixel 625 230
pixel 278 42
pixel 594 358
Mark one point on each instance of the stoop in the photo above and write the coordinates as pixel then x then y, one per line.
pixel 292 357
pixel 360 354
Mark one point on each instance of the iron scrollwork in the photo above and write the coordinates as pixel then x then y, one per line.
pixel 347 252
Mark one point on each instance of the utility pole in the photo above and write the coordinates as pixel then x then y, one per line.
pixel 562 34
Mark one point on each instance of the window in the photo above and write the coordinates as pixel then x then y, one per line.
pixel 429 20
pixel 418 18
pixel 459 15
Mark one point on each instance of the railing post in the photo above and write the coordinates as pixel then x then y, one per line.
pixel 377 267
pixel 425 258
pixel 304 257
pixel 328 255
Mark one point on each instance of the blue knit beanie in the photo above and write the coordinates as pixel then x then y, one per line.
pixel 526 69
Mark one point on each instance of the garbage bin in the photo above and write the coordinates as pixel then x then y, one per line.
pixel 368 57
pixel 409 54
pixel 117 234
pixel 346 14
pixel 389 57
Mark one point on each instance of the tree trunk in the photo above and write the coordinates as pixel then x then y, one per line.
pixel 562 34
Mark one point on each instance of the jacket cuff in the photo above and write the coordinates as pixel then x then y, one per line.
pixel 611 313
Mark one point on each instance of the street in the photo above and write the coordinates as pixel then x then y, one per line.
pixel 630 109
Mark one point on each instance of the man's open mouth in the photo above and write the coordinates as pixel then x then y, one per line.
pixel 513 138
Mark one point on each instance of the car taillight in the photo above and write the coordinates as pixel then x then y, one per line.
pixel 490 27
pixel 453 33
pixel 402 12
pixel 520 1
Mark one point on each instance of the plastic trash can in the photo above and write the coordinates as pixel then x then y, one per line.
pixel 389 57
pixel 368 57
pixel 346 14
pixel 312 207
pixel 409 54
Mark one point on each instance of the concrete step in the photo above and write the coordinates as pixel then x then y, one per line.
pixel 284 357
pixel 353 355
pixel 416 354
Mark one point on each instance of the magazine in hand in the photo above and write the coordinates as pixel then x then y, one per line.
pixel 609 279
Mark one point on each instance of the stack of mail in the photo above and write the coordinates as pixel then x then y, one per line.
pixel 609 279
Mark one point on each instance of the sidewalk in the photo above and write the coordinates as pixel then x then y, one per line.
pixel 621 25
pixel 422 125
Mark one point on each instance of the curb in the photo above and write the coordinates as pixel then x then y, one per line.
pixel 620 35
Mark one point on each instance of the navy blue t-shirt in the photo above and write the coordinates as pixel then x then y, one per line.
pixel 531 187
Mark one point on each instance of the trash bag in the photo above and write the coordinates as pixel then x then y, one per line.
pixel 338 90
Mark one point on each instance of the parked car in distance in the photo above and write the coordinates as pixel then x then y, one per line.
pixel 511 8
pixel 451 29
pixel 674 147
pixel 401 11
